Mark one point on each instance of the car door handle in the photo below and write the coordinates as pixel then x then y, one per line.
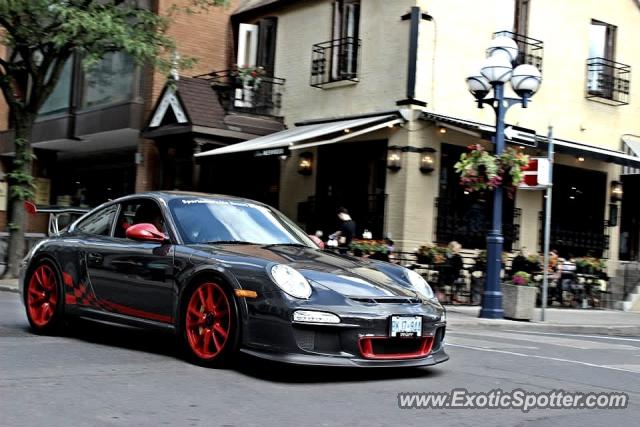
pixel 95 258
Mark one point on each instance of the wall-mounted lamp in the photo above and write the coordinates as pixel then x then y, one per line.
pixel 427 160
pixel 442 129
pixel 394 158
pixel 580 159
pixel 616 191
pixel 305 164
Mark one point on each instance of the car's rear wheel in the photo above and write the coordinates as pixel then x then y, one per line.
pixel 43 298
pixel 209 324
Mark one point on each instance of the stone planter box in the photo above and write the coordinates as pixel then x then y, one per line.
pixel 518 301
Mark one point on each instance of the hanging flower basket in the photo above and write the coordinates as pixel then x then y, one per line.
pixel 480 170
pixel 511 163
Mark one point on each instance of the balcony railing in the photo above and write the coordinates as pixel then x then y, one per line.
pixel 608 81
pixel 335 61
pixel 262 95
pixel 529 50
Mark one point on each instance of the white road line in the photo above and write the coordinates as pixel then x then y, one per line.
pixel 538 339
pixel 487 344
pixel 535 356
pixel 575 335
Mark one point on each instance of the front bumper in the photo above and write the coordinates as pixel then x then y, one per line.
pixel 433 358
pixel 360 339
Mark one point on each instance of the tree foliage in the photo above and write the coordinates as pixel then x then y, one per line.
pixel 41 35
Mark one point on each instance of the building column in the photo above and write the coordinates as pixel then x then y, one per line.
pixel 530 204
pixel 147 165
pixel 411 194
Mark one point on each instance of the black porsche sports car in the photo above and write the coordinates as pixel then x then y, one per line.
pixel 227 275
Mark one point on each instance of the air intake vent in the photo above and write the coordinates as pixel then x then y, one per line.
pixel 386 300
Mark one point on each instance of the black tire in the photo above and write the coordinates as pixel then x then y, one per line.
pixel 44 298
pixel 209 324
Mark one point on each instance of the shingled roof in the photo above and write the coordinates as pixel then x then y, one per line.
pixel 201 103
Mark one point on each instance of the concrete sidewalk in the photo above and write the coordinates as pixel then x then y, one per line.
pixel 558 320
pixel 9 285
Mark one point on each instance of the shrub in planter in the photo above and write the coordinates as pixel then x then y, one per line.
pixel 518 297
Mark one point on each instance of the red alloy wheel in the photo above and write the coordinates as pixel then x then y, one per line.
pixel 208 320
pixel 42 295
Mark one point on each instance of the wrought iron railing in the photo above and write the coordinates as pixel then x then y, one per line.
pixel 529 50
pixel 334 61
pixel 571 241
pixel 469 226
pixel 257 95
pixel 608 81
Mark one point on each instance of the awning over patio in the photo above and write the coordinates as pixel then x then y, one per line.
pixel 310 135
pixel 630 159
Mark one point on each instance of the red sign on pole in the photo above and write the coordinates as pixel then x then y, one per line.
pixel 535 174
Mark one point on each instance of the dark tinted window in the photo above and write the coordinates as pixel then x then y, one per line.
pixel 99 223
pixel 139 211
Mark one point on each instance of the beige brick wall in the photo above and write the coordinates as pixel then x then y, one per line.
pixel 383 60
pixel 454 44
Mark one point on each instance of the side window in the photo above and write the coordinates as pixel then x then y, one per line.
pixel 99 223
pixel 136 212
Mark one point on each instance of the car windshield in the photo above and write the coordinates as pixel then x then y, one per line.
pixel 234 221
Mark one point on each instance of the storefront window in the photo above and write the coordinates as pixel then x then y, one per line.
pixel 577 215
pixel 111 80
pixel 58 101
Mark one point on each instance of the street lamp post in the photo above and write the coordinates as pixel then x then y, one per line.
pixel 496 70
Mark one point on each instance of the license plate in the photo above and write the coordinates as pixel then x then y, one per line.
pixel 406 326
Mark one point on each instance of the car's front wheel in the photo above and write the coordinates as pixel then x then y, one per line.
pixel 209 324
pixel 43 298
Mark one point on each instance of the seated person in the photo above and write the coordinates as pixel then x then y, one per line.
pixel 150 214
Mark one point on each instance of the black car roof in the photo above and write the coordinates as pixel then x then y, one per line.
pixel 171 195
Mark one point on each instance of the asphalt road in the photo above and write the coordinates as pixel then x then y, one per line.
pixel 104 376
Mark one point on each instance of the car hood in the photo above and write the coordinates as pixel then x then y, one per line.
pixel 349 276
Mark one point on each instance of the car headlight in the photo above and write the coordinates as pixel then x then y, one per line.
pixel 291 281
pixel 419 284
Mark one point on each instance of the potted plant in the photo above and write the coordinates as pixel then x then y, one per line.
pixel 374 249
pixel 519 297
pixel 250 76
pixel 424 254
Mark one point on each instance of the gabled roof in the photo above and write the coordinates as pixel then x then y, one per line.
pixel 194 107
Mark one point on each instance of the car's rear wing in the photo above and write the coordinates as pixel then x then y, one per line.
pixel 59 216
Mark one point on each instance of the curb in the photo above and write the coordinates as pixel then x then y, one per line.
pixel 614 330
pixel 5 288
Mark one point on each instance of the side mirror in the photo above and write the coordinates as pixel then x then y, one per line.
pixel 145 232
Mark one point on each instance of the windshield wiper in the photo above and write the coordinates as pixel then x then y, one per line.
pixel 299 245
pixel 228 242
